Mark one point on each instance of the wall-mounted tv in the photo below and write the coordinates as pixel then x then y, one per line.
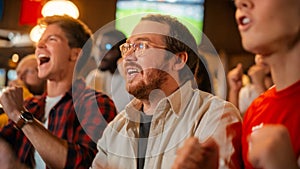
pixel 190 12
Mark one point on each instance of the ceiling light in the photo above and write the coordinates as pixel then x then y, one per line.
pixel 60 7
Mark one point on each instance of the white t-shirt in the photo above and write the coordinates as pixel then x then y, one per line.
pixel 246 97
pixel 50 103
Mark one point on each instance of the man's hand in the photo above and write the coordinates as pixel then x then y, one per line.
pixel 12 102
pixel 235 82
pixel 258 74
pixel 234 78
pixel 196 155
pixel 270 148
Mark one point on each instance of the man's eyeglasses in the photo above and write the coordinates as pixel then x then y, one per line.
pixel 138 47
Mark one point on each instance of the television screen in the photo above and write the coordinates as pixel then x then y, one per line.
pixel 190 12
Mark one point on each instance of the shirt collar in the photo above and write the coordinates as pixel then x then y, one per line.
pixel 180 98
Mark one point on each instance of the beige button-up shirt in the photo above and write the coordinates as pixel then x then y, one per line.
pixel 187 112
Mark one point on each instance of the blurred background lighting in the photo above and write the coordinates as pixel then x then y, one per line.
pixel 54 7
pixel 36 33
pixel 60 7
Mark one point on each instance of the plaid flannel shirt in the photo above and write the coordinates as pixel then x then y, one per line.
pixel 79 117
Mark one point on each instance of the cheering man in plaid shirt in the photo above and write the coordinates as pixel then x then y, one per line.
pixel 60 128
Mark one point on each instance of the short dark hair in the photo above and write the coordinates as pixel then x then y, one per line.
pixel 180 39
pixel 115 33
pixel 76 31
pixel 119 36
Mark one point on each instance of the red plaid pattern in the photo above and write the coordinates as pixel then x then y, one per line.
pixel 79 117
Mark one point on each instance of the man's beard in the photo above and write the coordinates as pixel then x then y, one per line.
pixel 154 79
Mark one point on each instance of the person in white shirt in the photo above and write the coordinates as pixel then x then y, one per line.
pixel 108 76
pixel 260 80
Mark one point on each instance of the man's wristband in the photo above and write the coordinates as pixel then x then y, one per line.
pixel 25 117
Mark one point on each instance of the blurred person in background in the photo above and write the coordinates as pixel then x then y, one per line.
pixel 260 81
pixel 27 76
pixel 108 77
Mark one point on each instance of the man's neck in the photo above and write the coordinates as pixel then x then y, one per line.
pixel 167 88
pixel 58 88
pixel 150 104
pixel 285 67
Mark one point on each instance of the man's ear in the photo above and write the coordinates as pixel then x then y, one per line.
pixel 181 59
pixel 75 52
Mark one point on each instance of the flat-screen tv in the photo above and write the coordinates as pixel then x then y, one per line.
pixel 190 12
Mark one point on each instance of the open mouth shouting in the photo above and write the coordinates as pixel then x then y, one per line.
pixel 243 23
pixel 245 20
pixel 132 72
pixel 43 59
